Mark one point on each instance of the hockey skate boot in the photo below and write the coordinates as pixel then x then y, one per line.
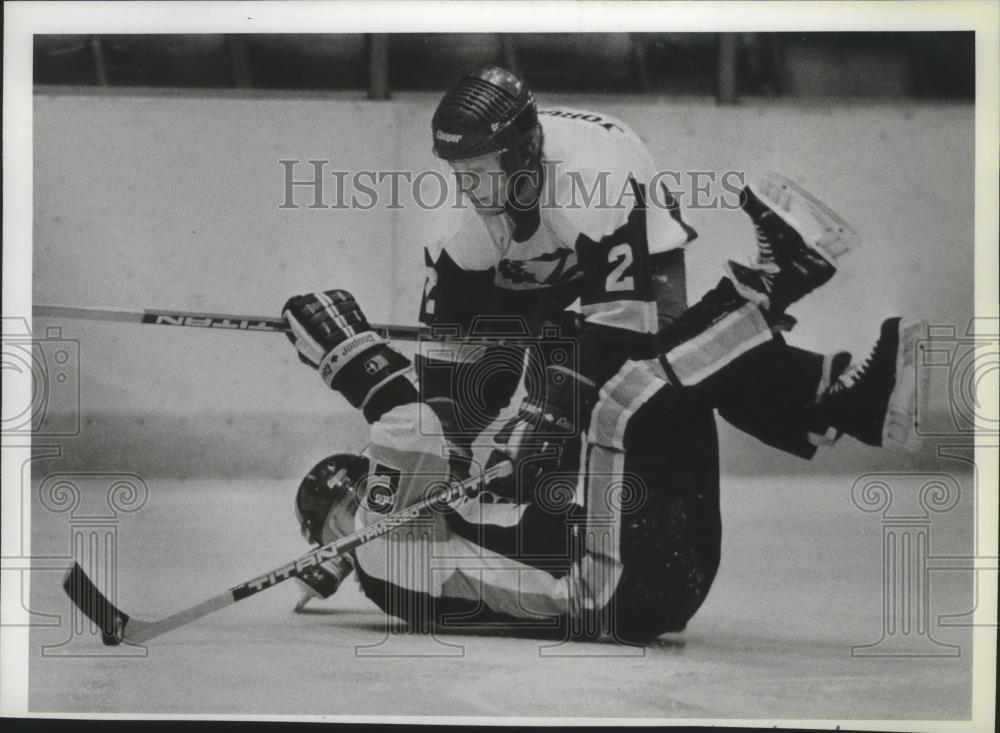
pixel 799 239
pixel 787 267
pixel 875 401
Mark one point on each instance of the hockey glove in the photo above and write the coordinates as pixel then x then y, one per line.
pixel 534 439
pixel 332 335
pixel 323 580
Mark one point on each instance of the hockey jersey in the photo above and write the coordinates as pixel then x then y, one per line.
pixel 483 561
pixel 589 243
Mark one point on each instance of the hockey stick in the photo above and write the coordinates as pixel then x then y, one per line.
pixel 117 626
pixel 195 319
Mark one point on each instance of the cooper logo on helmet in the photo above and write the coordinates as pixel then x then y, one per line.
pixel 447 137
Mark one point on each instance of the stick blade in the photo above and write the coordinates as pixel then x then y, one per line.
pixel 95 606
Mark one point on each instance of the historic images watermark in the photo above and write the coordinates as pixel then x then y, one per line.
pixel 961 366
pixel 494 350
pixel 317 184
pixel 94 503
pixel 42 398
pixel 41 409
pixel 964 365
pixel 906 503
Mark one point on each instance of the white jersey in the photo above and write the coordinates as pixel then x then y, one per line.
pixel 596 228
pixel 428 561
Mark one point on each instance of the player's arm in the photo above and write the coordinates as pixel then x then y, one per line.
pixel 535 439
pixel 668 235
pixel 617 300
pixel 332 335
pixel 479 382
pixel 454 295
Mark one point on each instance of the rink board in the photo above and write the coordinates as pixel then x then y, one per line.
pixel 181 207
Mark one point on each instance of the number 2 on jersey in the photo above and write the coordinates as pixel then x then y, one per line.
pixel 617 281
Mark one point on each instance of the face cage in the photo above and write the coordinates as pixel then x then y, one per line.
pixel 520 128
pixel 525 159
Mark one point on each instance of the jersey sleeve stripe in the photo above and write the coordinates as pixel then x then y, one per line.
pixel 629 315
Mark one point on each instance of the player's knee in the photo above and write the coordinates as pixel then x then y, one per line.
pixel 620 398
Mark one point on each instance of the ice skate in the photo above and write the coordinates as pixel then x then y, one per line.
pixel 798 240
pixel 875 401
pixel 788 265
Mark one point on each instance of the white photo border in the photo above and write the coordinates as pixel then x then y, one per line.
pixel 23 19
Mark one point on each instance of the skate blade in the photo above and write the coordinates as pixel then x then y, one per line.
pixel 820 226
pixel 907 402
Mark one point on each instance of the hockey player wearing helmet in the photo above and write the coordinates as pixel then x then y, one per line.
pixel 531 256
pixel 488 124
pixel 624 548
pixel 530 250
pixel 611 523
pixel 529 561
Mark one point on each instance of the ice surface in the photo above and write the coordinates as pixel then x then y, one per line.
pixel 800 583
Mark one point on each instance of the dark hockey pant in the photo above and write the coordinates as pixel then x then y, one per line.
pixel 647 474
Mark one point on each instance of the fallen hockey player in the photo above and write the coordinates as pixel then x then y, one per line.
pixel 624 548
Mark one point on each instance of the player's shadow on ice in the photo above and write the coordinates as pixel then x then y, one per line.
pixel 553 632
pixel 322 611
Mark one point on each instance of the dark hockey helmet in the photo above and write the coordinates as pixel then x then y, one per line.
pixel 489 110
pixel 329 485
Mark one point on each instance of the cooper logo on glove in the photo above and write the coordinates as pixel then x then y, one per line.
pixel 332 335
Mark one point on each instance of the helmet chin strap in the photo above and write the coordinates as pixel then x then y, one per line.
pixel 525 213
